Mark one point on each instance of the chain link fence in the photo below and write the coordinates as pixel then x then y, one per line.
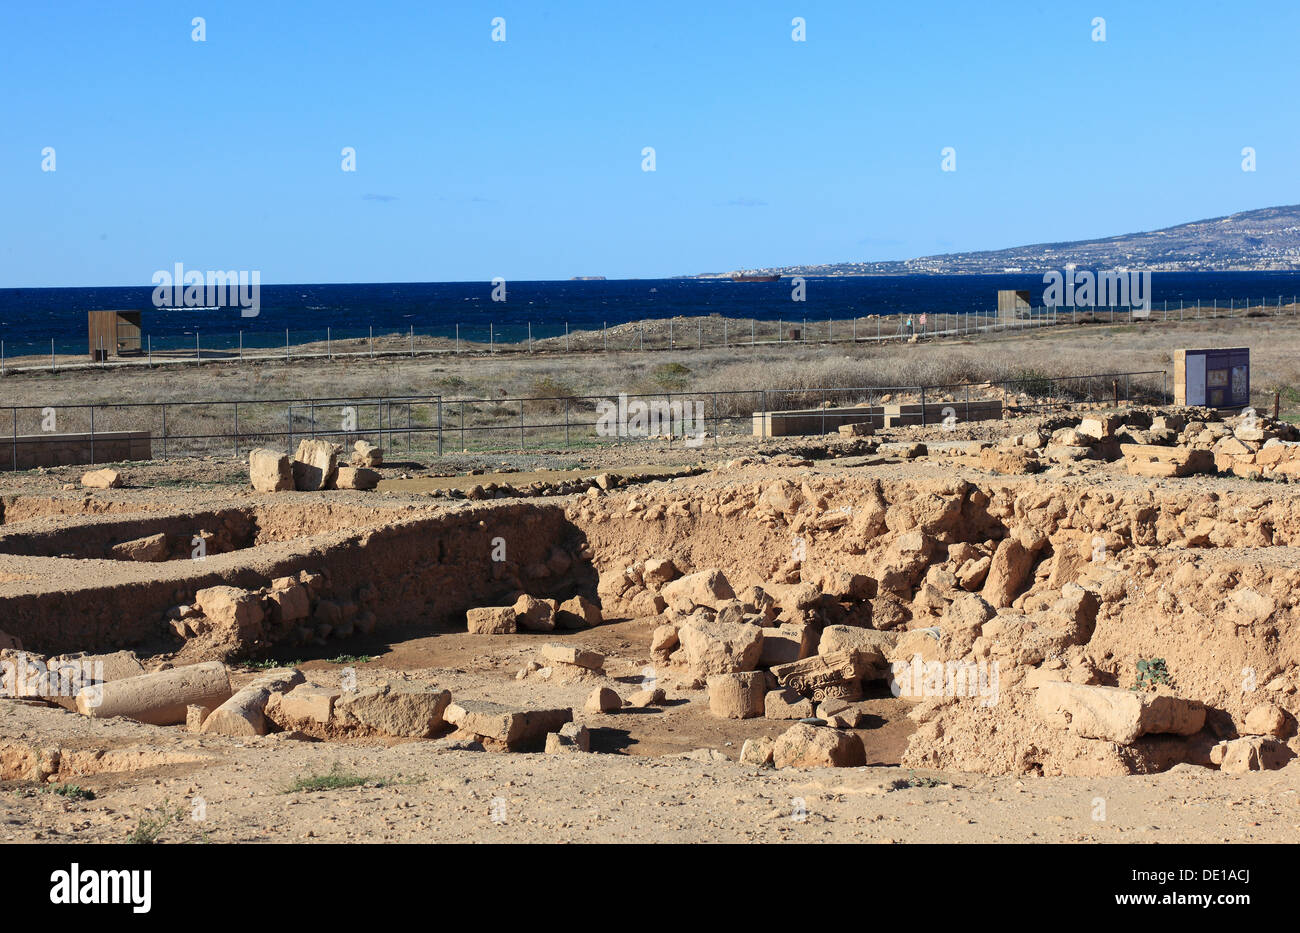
pixel 430 426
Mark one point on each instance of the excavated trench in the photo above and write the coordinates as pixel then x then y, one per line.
pixel 62 587
pixel 1075 583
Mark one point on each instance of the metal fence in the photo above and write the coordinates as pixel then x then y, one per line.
pixel 713 331
pixel 410 426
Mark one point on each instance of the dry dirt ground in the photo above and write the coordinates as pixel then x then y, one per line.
pixel 637 786
pixel 666 773
pixel 416 793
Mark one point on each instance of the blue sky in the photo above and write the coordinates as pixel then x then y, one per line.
pixel 523 158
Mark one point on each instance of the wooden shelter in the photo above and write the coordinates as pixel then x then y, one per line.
pixel 115 333
pixel 1217 378
pixel 1012 301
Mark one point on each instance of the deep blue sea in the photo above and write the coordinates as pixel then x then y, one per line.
pixel 31 317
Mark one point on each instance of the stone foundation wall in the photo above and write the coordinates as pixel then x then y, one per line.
pixel 828 420
pixel 29 451
pixel 419 570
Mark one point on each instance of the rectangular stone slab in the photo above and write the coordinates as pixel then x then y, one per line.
pixel 512 726
pixel 1115 714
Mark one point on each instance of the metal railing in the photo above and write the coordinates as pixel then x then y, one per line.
pixel 207 428
pixel 425 425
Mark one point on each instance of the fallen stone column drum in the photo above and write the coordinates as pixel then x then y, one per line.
pixel 243 713
pixel 159 699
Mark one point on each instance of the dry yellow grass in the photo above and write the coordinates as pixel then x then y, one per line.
pixel 805 371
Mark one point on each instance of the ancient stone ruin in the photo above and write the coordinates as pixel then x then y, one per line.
pixel 1018 624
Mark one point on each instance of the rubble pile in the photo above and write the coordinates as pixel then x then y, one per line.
pixel 313 467
pixel 1155 443
pixel 989 608
pixel 224 621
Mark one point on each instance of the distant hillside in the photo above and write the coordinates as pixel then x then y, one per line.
pixel 1251 241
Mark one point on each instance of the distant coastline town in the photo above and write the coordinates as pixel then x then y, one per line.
pixel 1264 240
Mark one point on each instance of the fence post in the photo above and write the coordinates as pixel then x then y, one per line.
pixel 241 344
pixel 521 424
pixel 236 430
pixel 149 340
pixel 566 336
pixel 164 431
pixel 922 406
pixel 439 425
pixel 530 336
pixel 566 421
pixel 92 432
pixel 13 413
pixel 763 422
pixel 288 420
pixel 198 351
pixel 372 341
pixel 604 334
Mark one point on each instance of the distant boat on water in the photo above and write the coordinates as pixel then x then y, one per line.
pixel 743 276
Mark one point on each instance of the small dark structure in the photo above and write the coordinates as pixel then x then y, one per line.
pixel 114 332
pixel 1012 302
pixel 1218 378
